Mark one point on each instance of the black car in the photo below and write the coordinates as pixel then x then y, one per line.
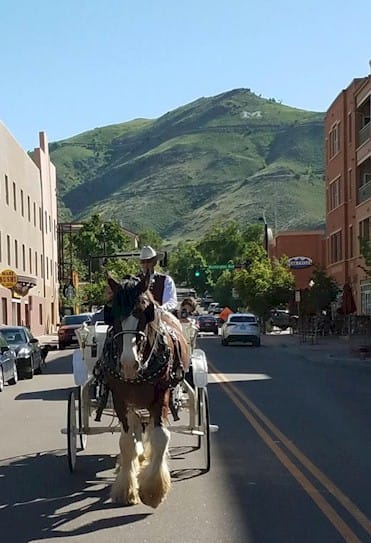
pixel 207 323
pixel 29 354
pixel 8 366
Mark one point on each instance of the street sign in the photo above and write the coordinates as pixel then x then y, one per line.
pixel 299 262
pixel 221 267
pixel 8 278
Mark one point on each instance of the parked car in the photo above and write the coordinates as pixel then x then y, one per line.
pixel 214 308
pixel 280 318
pixel 8 366
pixel 28 352
pixel 241 327
pixel 207 323
pixel 68 326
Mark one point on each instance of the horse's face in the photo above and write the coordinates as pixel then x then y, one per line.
pixel 133 310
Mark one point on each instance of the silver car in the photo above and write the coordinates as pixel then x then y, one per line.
pixel 241 327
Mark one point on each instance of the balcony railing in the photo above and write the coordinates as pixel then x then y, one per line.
pixel 364 192
pixel 364 134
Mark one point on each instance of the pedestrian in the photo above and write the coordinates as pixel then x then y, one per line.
pixel 162 286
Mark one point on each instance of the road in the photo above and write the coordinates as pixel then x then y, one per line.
pixel 291 461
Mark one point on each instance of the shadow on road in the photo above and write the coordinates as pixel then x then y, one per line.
pixel 54 395
pixel 41 500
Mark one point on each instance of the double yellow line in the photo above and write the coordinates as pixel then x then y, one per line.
pixel 258 420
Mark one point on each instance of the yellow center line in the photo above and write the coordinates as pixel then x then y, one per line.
pixel 316 496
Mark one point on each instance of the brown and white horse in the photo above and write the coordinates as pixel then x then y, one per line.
pixel 148 353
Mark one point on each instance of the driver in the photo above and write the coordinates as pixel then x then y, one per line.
pixel 162 286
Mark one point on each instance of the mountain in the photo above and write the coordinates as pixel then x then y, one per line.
pixel 234 155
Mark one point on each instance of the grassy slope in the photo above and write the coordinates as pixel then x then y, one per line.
pixel 204 162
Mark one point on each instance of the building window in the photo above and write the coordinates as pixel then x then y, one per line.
pixel 336 250
pixel 40 220
pixel 335 194
pixel 47 267
pixel 40 313
pixel 28 209
pixel 46 222
pixel 365 297
pixel 351 241
pixel 22 204
pixel 30 258
pixel 350 181
pixel 1 248
pixel 16 253
pixel 364 231
pixel 50 223
pixel 34 213
pixel 334 140
pixel 4 310
pixel 349 127
pixel 6 190
pixel 51 268
pixel 23 257
pixel 9 260
pixel 42 266
pixel 36 262
pixel 14 197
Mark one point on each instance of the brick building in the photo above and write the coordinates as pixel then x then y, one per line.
pixel 348 187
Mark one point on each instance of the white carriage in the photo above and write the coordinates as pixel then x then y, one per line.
pixel 190 395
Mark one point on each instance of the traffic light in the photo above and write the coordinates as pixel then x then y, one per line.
pixel 197 271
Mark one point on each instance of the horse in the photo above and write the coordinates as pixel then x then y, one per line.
pixel 148 356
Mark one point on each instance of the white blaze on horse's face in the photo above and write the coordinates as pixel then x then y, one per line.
pixel 129 360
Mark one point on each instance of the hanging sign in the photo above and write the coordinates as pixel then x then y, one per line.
pixel 8 278
pixel 299 262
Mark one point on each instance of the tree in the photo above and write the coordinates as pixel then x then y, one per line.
pixel 223 290
pixel 150 237
pixel 264 285
pixel 182 264
pixel 319 296
pixel 222 244
pixel 98 237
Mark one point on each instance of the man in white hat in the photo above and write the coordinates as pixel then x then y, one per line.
pixel 162 286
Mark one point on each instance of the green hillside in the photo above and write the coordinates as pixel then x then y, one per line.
pixel 234 155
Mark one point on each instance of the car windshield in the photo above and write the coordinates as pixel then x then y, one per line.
pixel 243 318
pixel 14 335
pixel 75 319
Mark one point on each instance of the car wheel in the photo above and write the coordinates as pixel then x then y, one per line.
pixel 257 342
pixel 1 380
pixel 39 370
pixel 29 370
pixel 14 379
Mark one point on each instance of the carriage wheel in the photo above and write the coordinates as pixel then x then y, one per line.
pixel 204 424
pixel 71 431
pixel 82 407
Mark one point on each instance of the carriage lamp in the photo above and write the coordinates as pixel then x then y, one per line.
pixel 83 334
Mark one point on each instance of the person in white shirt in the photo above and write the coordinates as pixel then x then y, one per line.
pixel 162 286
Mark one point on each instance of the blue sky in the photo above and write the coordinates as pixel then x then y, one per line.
pixel 71 65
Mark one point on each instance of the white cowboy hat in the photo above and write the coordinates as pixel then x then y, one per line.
pixel 147 253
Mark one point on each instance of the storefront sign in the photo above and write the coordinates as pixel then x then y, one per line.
pixel 8 278
pixel 299 262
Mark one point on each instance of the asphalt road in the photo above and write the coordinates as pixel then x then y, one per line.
pixel 291 461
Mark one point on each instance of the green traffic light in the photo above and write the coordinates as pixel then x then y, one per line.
pixel 197 273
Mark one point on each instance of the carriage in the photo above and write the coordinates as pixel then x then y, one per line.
pixel 88 415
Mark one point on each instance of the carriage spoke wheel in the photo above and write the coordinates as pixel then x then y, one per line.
pixel 71 431
pixel 204 424
pixel 81 406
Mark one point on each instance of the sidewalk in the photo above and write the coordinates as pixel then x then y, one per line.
pixel 328 350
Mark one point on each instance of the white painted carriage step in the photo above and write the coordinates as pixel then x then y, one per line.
pixel 191 431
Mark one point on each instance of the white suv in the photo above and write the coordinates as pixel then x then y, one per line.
pixel 241 327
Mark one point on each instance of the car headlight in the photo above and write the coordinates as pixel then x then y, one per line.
pixel 23 353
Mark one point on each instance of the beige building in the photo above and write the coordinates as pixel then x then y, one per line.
pixel 28 235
